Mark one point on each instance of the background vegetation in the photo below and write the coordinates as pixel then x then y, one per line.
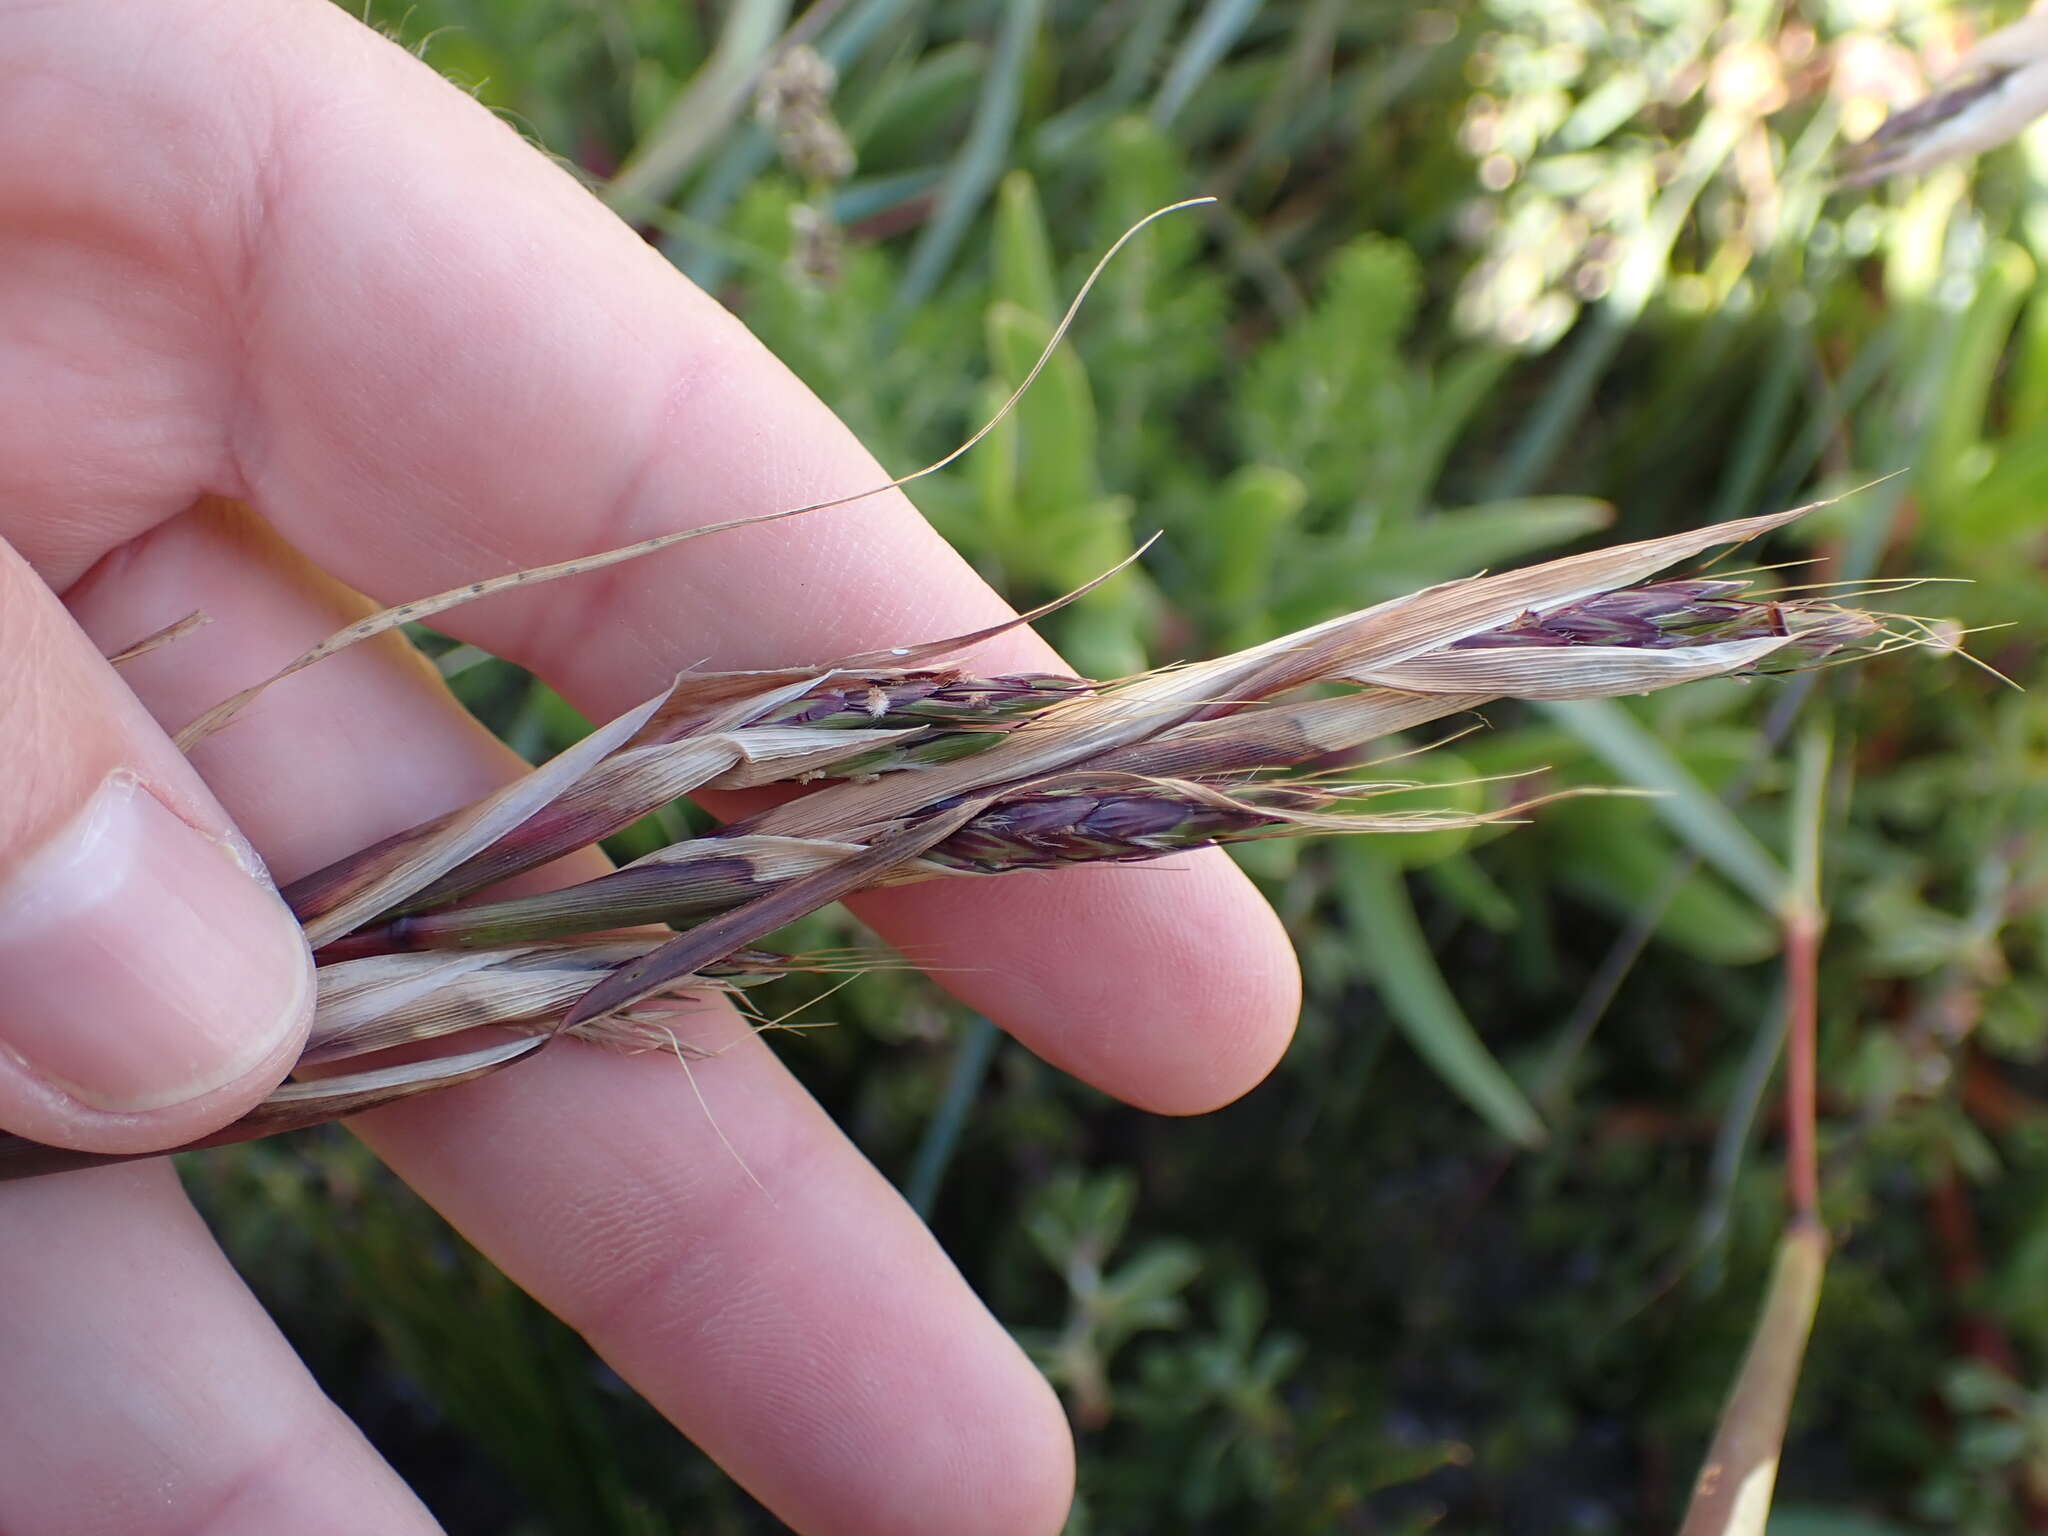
pixel 1488 277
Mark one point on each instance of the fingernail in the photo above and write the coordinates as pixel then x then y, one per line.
pixel 141 963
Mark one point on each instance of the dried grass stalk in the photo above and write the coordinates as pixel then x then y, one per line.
pixel 292 1106
pixel 944 774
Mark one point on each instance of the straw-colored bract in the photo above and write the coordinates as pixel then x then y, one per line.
pixel 940 773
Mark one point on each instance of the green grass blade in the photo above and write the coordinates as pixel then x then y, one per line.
pixel 971 1058
pixel 981 159
pixel 1220 25
pixel 1376 903
pixel 1023 250
pixel 1687 806
pixel 706 109
pixel 1479 538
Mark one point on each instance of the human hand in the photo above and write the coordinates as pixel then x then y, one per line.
pixel 249 249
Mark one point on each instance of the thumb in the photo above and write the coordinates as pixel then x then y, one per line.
pixel 152 983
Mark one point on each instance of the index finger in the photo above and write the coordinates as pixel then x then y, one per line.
pixel 455 363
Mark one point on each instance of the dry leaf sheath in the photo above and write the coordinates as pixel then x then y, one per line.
pixel 942 774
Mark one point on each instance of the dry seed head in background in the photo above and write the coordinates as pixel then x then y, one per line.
pixel 1993 94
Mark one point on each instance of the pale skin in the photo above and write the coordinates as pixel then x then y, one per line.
pixel 248 249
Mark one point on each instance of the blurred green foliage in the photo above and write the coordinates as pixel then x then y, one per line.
pixel 1486 277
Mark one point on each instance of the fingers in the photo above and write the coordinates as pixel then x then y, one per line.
pixel 152 984
pixel 146 1394
pixel 741 1265
pixel 732 1256
pixel 501 374
pixel 1169 984
pixel 566 390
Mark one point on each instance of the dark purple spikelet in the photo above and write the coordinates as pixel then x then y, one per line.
pixel 961 715
pixel 1109 826
pixel 1669 615
pixel 926 698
